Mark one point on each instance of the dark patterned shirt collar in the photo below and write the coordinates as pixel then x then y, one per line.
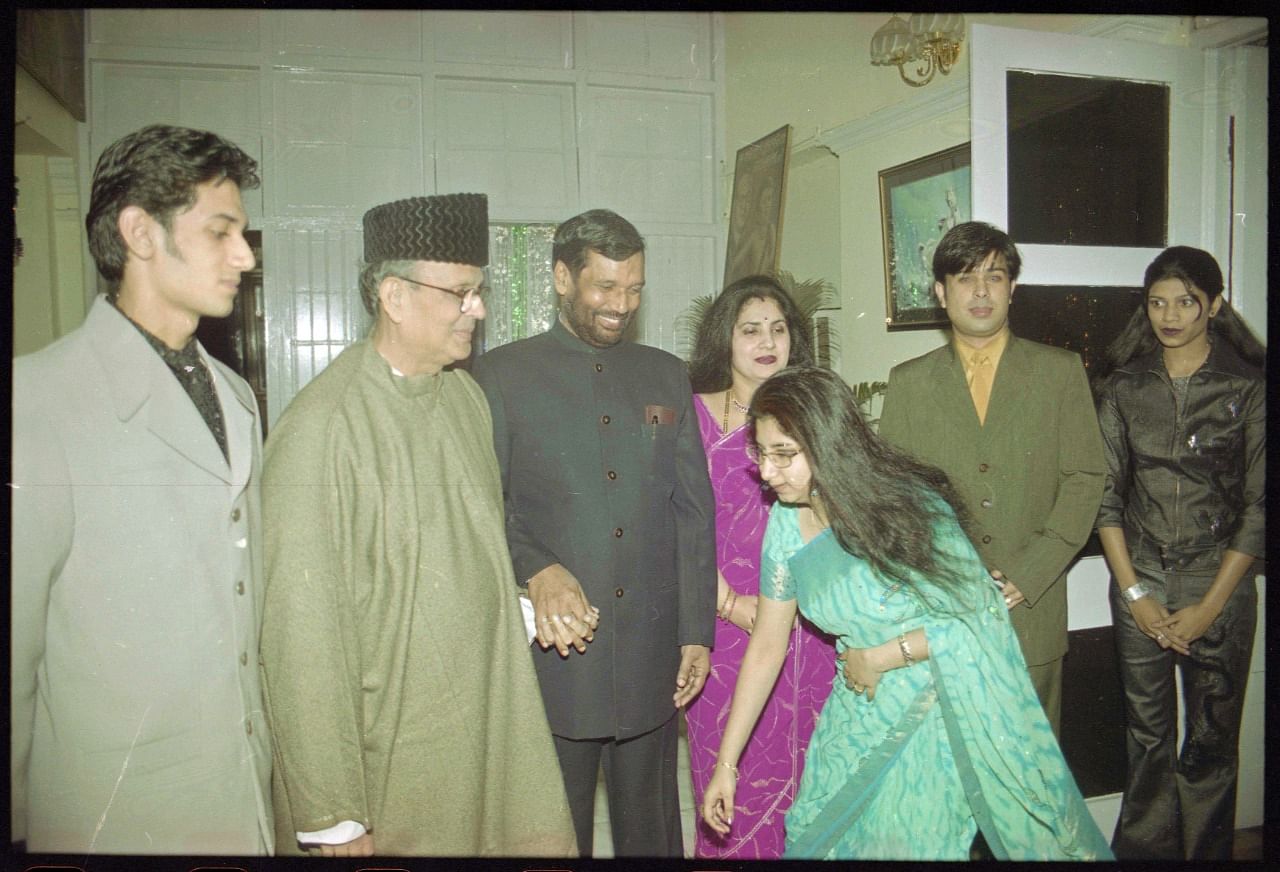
pixel 186 358
pixel 191 372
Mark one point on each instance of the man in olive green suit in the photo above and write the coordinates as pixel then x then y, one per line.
pixel 1012 423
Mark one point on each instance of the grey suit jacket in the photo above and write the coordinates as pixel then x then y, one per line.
pixel 603 471
pixel 136 602
pixel 1031 475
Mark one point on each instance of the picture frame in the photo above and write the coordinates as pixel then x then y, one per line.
pixel 755 210
pixel 919 202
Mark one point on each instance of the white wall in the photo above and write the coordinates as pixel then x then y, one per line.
pixel 549 113
pixel 48 283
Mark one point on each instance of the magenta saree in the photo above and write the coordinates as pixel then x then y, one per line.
pixel 773 759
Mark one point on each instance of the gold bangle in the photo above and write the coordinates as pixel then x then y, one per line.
pixel 906 650
pixel 726 611
pixel 729 766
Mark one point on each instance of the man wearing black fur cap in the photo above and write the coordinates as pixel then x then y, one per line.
pixel 398 679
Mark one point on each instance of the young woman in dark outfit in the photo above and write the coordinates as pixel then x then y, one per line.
pixel 1183 417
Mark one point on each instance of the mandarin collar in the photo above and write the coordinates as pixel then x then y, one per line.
pixel 565 337
pixel 412 386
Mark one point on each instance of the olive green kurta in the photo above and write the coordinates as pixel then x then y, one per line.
pixel 399 683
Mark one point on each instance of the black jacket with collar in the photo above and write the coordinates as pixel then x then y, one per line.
pixel 1185 486
pixel 603 471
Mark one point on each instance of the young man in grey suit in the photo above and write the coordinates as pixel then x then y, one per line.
pixel 1012 423
pixel 137 722
pixel 610 522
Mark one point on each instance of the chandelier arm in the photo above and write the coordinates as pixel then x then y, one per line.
pixel 911 82
pixel 925 71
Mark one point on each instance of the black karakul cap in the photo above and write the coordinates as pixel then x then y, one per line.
pixel 450 228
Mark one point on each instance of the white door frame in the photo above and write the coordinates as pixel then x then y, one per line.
pixel 995 50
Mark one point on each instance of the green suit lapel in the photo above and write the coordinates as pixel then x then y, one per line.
pixel 1014 379
pixel 949 390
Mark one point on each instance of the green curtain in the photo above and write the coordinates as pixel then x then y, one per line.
pixel 523 298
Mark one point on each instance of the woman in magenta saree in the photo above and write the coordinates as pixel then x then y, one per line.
pixel 746 336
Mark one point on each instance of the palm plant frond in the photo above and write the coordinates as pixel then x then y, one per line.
pixel 687 323
pixel 811 296
pixel 864 394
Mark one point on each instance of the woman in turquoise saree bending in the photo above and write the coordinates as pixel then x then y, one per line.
pixel 937 732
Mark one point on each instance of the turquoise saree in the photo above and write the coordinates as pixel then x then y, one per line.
pixel 949 746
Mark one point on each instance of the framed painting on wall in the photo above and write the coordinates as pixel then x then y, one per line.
pixel 755 212
pixel 919 202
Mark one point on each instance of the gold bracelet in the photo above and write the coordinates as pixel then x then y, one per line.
pixel 729 766
pixel 906 650
pixel 726 611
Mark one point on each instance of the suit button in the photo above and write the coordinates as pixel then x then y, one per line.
pixel 244 659
pixel 240 587
pixel 986 504
pixel 617 532
pixel 599 367
pixel 613 476
pixel 604 419
pixel 235 515
pixel 986 540
pixel 982 467
pixel 618 592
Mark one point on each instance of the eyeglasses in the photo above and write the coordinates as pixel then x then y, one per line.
pixel 780 459
pixel 467 297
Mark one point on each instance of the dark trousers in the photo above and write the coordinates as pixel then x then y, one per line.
pixel 1183 806
pixel 640 777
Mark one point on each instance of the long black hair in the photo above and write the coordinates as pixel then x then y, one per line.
pixel 883 505
pixel 710 366
pixel 1195 269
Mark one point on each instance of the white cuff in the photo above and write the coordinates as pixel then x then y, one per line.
pixel 526 608
pixel 338 834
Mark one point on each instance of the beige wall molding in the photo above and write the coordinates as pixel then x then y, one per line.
pixel 918 110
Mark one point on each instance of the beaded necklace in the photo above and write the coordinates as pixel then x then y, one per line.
pixel 884 597
pixel 730 398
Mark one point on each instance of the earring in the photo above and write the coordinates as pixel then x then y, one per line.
pixel 813 491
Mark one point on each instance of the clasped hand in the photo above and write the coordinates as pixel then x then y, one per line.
pixel 1012 596
pixel 1168 631
pixel 860 674
pixel 561 612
